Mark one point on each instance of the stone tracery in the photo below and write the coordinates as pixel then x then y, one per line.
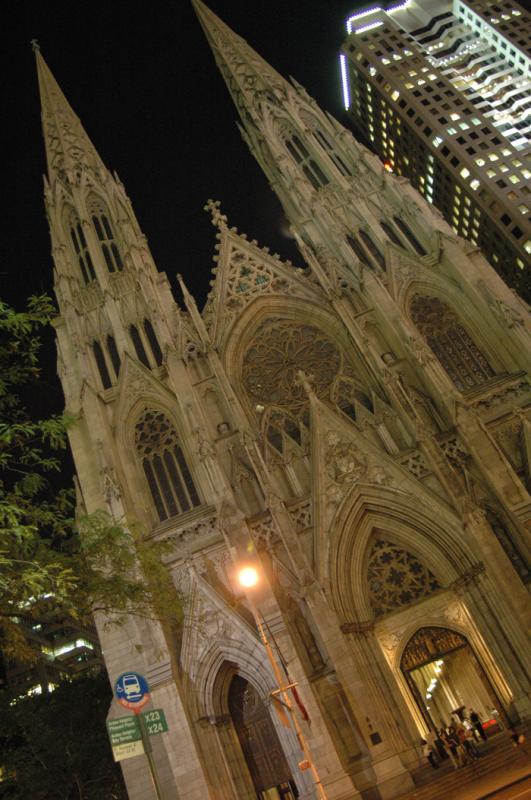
pixel 279 351
pixel 396 578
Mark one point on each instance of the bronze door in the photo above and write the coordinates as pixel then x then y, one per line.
pixel 259 741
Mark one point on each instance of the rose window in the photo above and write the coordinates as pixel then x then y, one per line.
pixel 280 350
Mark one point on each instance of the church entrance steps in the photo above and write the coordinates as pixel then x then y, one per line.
pixel 498 755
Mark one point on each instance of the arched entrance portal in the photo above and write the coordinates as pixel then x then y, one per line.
pixel 445 676
pixel 260 744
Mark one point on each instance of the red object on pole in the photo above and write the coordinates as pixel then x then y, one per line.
pixel 300 705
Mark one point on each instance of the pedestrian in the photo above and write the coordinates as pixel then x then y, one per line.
pixel 450 748
pixel 517 739
pixel 476 722
pixel 439 744
pixel 427 751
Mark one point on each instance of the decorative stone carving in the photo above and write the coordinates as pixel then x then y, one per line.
pixel 415 463
pixel 396 578
pixel 358 628
pixel 345 465
pixel 429 643
pixel 280 350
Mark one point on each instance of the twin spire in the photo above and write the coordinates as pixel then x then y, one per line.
pixel 69 150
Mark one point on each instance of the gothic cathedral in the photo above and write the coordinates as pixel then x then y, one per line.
pixel 357 429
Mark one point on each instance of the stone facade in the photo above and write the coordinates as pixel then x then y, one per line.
pixel 358 428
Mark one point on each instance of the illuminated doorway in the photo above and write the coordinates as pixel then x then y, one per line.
pixel 446 678
pixel 260 744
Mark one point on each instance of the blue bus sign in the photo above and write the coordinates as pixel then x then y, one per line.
pixel 132 691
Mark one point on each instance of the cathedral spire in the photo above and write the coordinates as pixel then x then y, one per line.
pixel 69 150
pixel 246 74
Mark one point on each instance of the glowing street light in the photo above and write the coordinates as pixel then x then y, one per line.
pixel 249 577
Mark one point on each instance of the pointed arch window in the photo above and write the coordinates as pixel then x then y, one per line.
pixel 101 364
pixel 138 344
pixel 114 355
pixel 167 474
pixel 359 251
pixel 375 252
pixel 107 240
pixel 82 252
pixel 410 236
pixel 327 145
pixel 455 349
pixel 391 233
pixel 309 166
pixel 153 342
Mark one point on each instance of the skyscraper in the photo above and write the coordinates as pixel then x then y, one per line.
pixel 356 429
pixel 442 91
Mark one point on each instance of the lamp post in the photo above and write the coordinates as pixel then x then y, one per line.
pixel 248 578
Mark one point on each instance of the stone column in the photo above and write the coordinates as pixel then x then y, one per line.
pixel 506 641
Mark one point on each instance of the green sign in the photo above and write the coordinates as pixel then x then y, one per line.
pixel 155 721
pixel 124 730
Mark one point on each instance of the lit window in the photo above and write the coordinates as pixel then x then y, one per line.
pixel 409 85
pixel 516 163
pixel 526 173
pixel 437 141
pixel 491 173
pixel 506 151
pixel 520 263
pixel 464 172
pixel 514 178
pixel 480 162
pixel 527 246
pixel 475 121
pixel 395 95
pixel 451 131
pixel 503 168
pixel 454 117
pixel 372 71
pixel 493 157
pixel 464 126
pixel 523 209
pixel 474 184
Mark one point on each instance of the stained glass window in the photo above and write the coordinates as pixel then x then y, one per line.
pixel 169 479
pixel 450 341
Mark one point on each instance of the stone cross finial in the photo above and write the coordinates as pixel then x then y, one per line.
pixel 35 46
pixel 219 220
pixel 305 380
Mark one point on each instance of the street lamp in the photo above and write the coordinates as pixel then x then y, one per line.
pixel 248 577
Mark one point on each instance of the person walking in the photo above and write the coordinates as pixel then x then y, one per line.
pixel 476 722
pixel 427 751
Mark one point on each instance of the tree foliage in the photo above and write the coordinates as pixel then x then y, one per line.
pixel 55 746
pixel 46 556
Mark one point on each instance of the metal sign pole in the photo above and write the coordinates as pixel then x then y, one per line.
pixel 149 755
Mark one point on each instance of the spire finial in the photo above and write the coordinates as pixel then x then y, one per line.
pixel 219 220
pixel 35 46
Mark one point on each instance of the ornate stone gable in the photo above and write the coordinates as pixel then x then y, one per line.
pixel 245 272
pixel 345 461
pixel 135 382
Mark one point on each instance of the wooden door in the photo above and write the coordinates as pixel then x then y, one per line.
pixel 259 741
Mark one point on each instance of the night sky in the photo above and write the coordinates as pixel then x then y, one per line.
pixel 144 82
